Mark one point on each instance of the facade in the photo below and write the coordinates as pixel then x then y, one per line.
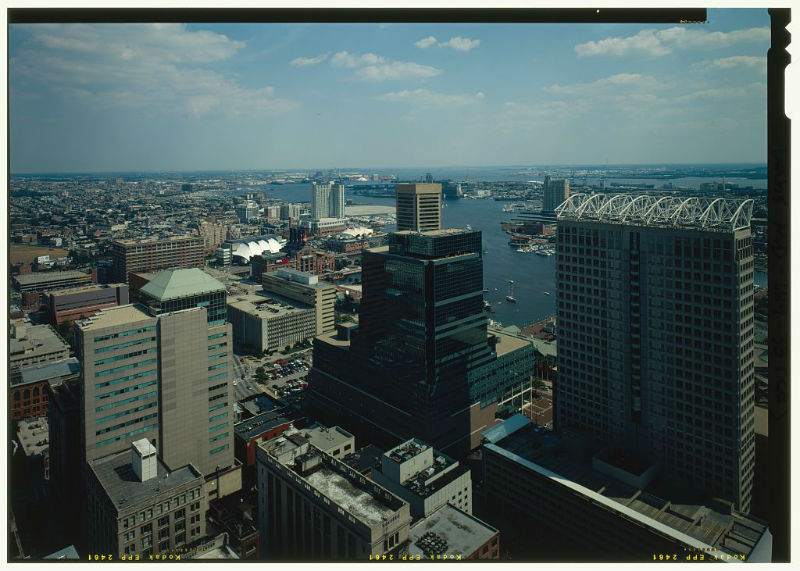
pixel 247 211
pixel 312 506
pixel 269 263
pixel 426 479
pixel 419 206
pixel 450 533
pixel 118 351
pixel 655 344
pixel 306 289
pixel 78 303
pixel 421 362
pixel 323 226
pixel 555 192
pixel 314 261
pixel 293 210
pixel 137 506
pixel 269 322
pixel 327 200
pixel 333 441
pixel 29 394
pixel 38 282
pixel 151 255
pixel 213 235
pixel 608 507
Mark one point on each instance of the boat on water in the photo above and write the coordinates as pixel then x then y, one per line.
pixel 547 293
pixel 511 299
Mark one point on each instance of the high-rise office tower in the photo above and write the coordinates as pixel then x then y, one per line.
pixel 655 333
pixel 421 363
pixel 336 201
pixel 131 256
pixel 556 191
pixel 320 200
pixel 161 372
pixel 419 206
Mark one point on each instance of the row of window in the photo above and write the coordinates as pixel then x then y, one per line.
pixel 124 356
pixel 126 435
pixel 125 390
pixel 125 333
pixel 124 379
pixel 123 345
pixel 128 423
pixel 123 368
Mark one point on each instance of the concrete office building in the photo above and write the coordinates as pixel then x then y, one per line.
pixel 38 282
pixel 118 351
pixel 426 479
pixel 269 322
pixel 421 362
pixel 655 334
pixel 136 505
pixel 150 255
pixel 312 506
pixel 307 289
pixel 323 226
pixel 77 303
pixel 555 192
pixel 419 206
pixel 608 506
pixel 174 290
pixel 213 235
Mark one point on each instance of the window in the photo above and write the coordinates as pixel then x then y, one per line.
pixel 163 521
pixel 180 514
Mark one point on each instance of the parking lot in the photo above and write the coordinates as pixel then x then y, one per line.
pixel 284 378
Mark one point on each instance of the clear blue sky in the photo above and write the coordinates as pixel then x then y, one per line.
pixel 269 96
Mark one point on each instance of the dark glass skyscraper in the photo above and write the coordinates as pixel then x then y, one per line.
pixel 421 362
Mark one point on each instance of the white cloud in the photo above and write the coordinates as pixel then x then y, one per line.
pixel 460 44
pixel 626 80
pixel 372 67
pixel 396 70
pixel 661 42
pixel 427 97
pixel 751 62
pixel 158 67
pixel 306 61
pixel 348 60
pixel 425 42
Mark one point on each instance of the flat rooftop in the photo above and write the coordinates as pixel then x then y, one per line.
pixel 115 473
pixel 33 435
pixel 38 340
pixel 448 531
pixel 82 289
pixel 115 316
pixel 36 278
pixel 135 241
pixel 263 422
pixel 539 449
pixel 267 306
pixel 508 343
pixel 325 438
pixel 345 493
pixel 47 371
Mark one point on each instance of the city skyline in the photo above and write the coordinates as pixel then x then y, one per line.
pixel 148 97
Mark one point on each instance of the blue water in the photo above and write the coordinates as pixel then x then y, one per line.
pixel 532 275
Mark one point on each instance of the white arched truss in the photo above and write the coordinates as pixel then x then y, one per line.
pixel 658 211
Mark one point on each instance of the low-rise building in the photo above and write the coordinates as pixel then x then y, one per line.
pixel 425 478
pixel 33 436
pixel 448 533
pixel 28 395
pixel 313 506
pixel 79 303
pixel 611 505
pixel 38 282
pixel 267 323
pixel 137 505
pixel 34 344
pixel 334 441
pixel 315 261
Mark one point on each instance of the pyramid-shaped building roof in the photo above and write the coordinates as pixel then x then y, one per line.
pixel 175 284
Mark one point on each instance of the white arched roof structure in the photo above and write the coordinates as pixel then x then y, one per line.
pixel 645 209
